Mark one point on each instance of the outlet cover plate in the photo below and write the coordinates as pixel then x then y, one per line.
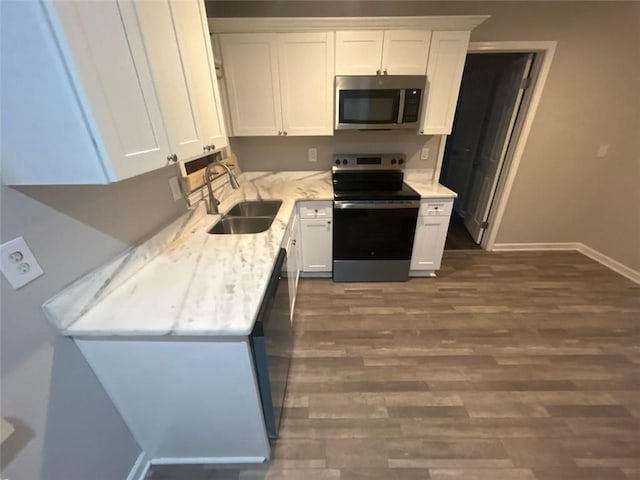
pixel 313 155
pixel 18 264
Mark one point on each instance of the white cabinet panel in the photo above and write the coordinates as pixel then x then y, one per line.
pixel 431 234
pixel 124 106
pixel 73 120
pixel 291 243
pixel 447 55
pixel 280 84
pixel 392 52
pixel 306 62
pixel 174 83
pixel 428 245
pixel 405 52
pixel 192 31
pixel 358 52
pixel 317 238
pixel 251 69
pixel 121 85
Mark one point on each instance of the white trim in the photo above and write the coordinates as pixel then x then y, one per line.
pixel 439 159
pixel 309 24
pixel 518 247
pixel 587 251
pixel 614 265
pixel 504 187
pixel 205 460
pixel 140 468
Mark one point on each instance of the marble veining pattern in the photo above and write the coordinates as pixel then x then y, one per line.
pixel 184 281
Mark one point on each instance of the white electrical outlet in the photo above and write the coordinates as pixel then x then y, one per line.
pixel 18 264
pixel 313 154
pixel 175 188
pixel 424 154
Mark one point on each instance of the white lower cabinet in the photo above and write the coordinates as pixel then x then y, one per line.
pixel 186 400
pixel 291 245
pixel 316 234
pixel 431 233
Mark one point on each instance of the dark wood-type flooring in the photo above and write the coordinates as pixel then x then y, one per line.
pixel 507 366
pixel 458 237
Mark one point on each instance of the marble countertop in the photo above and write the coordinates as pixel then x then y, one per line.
pixel 184 281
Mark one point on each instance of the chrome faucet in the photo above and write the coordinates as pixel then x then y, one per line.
pixel 212 206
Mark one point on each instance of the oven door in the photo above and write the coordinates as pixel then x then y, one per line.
pixel 373 240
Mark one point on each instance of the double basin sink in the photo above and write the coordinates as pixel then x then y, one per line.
pixel 252 216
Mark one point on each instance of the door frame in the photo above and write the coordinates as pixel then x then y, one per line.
pixel 545 52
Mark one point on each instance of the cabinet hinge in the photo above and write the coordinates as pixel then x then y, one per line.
pixel 526 83
pixel 484 224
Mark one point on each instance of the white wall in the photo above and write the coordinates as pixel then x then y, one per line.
pixel 66 426
pixel 562 192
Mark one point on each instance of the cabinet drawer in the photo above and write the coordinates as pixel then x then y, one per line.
pixel 316 209
pixel 436 207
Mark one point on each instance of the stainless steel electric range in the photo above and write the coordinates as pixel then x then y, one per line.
pixel 374 218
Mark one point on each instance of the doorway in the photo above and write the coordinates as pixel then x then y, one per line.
pixel 491 106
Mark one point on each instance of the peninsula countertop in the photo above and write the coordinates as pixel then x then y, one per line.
pixel 186 282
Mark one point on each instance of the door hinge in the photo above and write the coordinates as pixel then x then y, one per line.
pixel 484 224
pixel 526 83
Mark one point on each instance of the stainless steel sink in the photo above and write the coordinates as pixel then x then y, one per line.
pixel 255 208
pixel 229 225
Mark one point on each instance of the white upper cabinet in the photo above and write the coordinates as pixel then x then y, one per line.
pixel 444 73
pixel 88 112
pixel 391 52
pixel 306 82
pixel 405 52
pixel 179 51
pixel 279 84
pixel 120 87
pixel 251 73
pixel 358 52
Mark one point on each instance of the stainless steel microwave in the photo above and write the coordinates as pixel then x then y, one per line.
pixel 379 102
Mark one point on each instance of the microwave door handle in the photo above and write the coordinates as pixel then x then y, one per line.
pixel 401 106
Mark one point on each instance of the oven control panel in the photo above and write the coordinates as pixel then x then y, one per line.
pixel 387 161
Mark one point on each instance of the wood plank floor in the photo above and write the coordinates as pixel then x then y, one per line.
pixel 507 366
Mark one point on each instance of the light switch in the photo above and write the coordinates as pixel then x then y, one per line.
pixel 424 154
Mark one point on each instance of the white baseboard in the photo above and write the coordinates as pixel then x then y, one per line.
pixel 614 265
pixel 599 257
pixel 206 460
pixel 517 247
pixel 140 467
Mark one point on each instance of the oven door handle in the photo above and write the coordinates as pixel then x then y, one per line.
pixel 373 205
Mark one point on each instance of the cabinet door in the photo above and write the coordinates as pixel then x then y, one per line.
pixel 306 62
pixel 105 56
pixel 293 263
pixel 192 31
pixel 428 244
pixel 358 52
pixel 405 52
pixel 316 245
pixel 447 55
pixel 174 85
pixel 251 70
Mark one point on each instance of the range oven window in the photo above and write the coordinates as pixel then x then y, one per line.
pixel 369 106
pixel 373 234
